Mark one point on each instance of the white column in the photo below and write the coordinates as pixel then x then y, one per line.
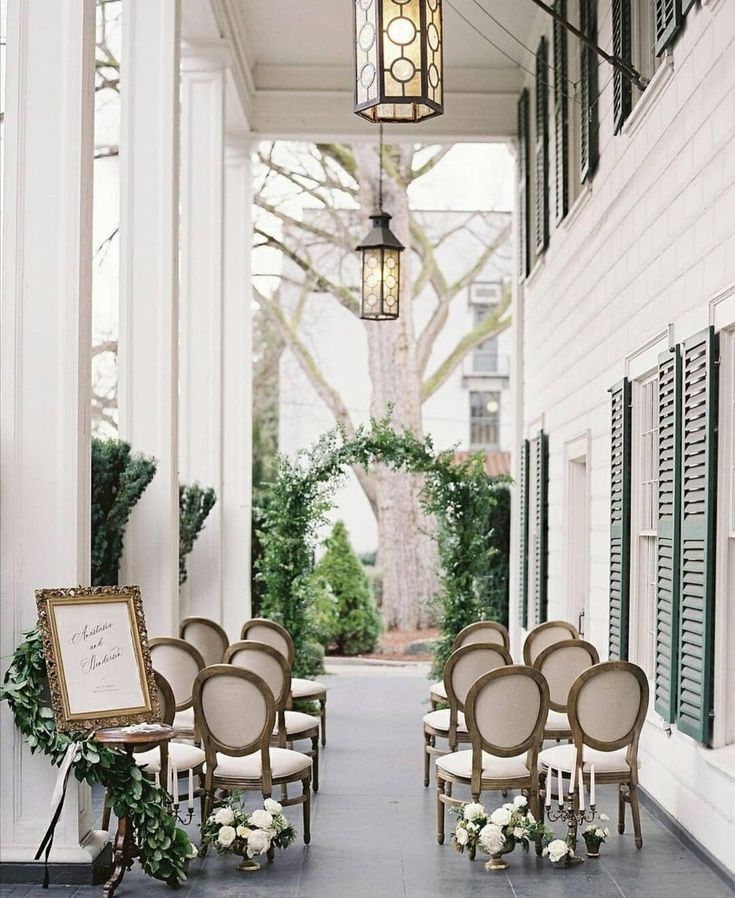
pixel 46 379
pixel 200 314
pixel 148 336
pixel 237 371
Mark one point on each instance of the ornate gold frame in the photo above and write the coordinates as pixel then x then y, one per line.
pixel 46 601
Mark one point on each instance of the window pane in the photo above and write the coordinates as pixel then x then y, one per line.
pixel 484 419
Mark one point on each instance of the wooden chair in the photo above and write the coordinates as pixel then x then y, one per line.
pixel 207 636
pixel 236 713
pixel 179 662
pixel 486 631
pixel 561 664
pixel 463 667
pixel 607 706
pixel 263 630
pixel 544 635
pixel 291 726
pixel 505 711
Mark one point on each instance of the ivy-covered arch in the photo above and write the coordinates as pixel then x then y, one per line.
pixel 459 494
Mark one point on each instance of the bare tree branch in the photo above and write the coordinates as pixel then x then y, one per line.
pixel 494 324
pixel 430 163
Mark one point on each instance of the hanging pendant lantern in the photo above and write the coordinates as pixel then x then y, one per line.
pixel 381 270
pixel 399 73
pixel 381 261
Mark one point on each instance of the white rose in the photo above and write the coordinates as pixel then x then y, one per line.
pixel 258 842
pixel 491 838
pixel 226 836
pixel 500 816
pixel 557 849
pixel 273 807
pixel 224 816
pixel 604 817
pixel 520 801
pixel 600 833
pixel 243 832
pixel 461 835
pixel 261 819
pixel 472 827
pixel 519 832
pixel 473 810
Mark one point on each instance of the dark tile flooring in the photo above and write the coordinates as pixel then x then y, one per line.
pixel 373 827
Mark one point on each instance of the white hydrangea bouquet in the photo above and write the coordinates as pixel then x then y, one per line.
pixel 595 834
pixel 499 832
pixel 229 829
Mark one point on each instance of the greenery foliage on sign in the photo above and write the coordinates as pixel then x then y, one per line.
pixel 119 479
pixel 195 503
pixel 460 494
pixel 164 848
pixel 353 625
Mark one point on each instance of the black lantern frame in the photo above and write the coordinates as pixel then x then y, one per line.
pixel 381 271
pixel 399 60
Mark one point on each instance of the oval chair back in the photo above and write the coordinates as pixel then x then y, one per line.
pixel 561 664
pixel 260 629
pixel 607 706
pixel 544 635
pixel 166 700
pixel 207 636
pixel 267 662
pixel 506 710
pixel 235 714
pixel 179 662
pixel 464 666
pixel 487 631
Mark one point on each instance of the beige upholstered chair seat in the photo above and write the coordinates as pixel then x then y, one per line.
pixel 284 763
pixel 557 720
pixel 562 756
pixel 181 754
pixel 439 720
pixel 184 720
pixel 301 688
pixel 296 722
pixel 459 764
pixel 439 690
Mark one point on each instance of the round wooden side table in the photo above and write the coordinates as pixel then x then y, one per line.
pixel 128 740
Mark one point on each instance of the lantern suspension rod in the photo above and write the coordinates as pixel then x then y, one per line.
pixel 380 170
pixel 621 65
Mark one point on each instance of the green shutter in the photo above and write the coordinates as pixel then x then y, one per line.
pixel 542 526
pixel 668 534
pixel 524 200
pixel 523 528
pixel 542 147
pixel 620 447
pixel 622 88
pixel 589 118
pixel 561 115
pixel 698 485
pixel 667 21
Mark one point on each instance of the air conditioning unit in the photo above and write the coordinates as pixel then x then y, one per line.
pixel 485 294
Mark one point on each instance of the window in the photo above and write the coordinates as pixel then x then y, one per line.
pixel 589 116
pixel 484 420
pixel 645 521
pixel 485 356
pixel 561 115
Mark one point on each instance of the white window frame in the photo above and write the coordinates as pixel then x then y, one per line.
pixel 644 501
pixel 576 452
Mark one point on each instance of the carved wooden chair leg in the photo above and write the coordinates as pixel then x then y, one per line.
pixel 621 809
pixel 427 759
pixel 315 761
pixel 439 809
pixel 636 812
pixel 323 718
pixel 306 783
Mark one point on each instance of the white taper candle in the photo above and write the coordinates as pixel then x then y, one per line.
pixel 581 790
pixel 561 788
pixel 549 786
pixel 190 803
pixel 571 781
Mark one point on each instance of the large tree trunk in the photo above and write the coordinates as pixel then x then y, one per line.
pixel 407 552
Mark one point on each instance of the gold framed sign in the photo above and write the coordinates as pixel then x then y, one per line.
pixel 97 657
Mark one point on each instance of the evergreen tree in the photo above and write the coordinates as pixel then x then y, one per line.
pixel 195 503
pixel 357 622
pixel 119 479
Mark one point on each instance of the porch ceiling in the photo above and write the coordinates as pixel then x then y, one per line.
pixel 293 64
